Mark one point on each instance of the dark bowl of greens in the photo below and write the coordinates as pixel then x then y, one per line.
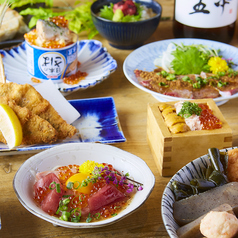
pixel 126 31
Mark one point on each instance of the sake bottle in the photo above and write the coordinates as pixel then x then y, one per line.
pixel 206 19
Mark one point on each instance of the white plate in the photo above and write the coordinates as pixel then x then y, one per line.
pixel 143 58
pixel 185 175
pixel 77 154
pixel 94 58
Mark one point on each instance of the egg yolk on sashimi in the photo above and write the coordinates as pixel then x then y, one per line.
pixel 77 179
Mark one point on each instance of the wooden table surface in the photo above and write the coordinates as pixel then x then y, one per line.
pixel 131 104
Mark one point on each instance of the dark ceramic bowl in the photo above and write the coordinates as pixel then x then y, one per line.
pixel 126 35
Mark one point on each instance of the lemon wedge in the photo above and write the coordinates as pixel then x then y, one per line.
pixel 10 126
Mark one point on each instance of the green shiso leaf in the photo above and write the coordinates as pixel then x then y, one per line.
pixel 188 61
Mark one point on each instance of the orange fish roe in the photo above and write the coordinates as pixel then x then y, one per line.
pixel 79 201
pixel 75 78
pixel 208 119
pixel 59 21
pixel 65 172
pixel 32 36
pixel 40 194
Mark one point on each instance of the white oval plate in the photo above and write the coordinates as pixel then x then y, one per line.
pixel 77 154
pixel 185 175
pixel 94 58
pixel 143 58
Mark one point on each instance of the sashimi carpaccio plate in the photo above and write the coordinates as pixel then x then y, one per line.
pixel 93 57
pixel 143 59
pixel 77 154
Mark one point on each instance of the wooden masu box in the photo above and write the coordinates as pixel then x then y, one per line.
pixel 172 151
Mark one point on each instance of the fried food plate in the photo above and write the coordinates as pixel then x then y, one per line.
pixel 93 57
pixel 143 58
pixel 98 122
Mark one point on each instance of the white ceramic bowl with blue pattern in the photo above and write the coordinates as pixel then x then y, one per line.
pixel 94 58
pixel 185 175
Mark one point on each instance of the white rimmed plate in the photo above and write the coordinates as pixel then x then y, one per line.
pixel 98 122
pixel 143 58
pixel 77 154
pixel 185 175
pixel 94 58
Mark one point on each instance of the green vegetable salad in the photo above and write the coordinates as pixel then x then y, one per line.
pixel 107 13
pixel 79 16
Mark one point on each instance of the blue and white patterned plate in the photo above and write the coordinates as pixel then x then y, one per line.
pixel 185 175
pixel 98 122
pixel 94 58
pixel 143 58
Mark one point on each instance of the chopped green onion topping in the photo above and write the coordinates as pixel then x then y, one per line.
pixel 69 185
pixel 186 79
pixel 221 73
pixel 188 109
pixel 221 84
pixel 66 201
pixel 163 84
pixel 171 77
pixel 56 186
pixel 89 219
pixel 97 215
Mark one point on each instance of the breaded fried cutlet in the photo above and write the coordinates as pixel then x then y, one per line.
pixel 35 129
pixel 27 96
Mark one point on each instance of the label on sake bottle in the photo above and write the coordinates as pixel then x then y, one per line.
pixel 206 13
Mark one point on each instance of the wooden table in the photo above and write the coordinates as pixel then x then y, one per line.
pixel 131 104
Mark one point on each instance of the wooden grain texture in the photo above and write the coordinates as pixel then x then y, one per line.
pixel 172 151
pixel 131 104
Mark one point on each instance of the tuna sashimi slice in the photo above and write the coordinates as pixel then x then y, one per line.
pixel 45 181
pixel 106 195
pixel 51 201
